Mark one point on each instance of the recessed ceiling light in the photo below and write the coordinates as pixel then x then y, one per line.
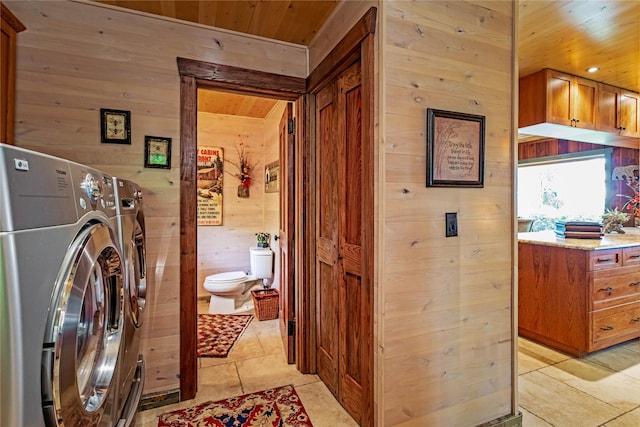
pixel 592 69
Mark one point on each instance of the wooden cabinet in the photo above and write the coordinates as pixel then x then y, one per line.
pixel 10 27
pixel 553 97
pixel 578 301
pixel 618 111
pixel 559 105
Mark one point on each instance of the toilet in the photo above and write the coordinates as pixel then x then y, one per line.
pixel 231 291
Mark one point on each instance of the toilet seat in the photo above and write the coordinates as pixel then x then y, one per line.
pixel 229 276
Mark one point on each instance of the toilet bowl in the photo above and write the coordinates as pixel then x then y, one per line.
pixel 231 291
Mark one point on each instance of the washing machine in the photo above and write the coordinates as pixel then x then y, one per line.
pixel 131 238
pixel 61 293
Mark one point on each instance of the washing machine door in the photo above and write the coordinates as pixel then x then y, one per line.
pixel 84 331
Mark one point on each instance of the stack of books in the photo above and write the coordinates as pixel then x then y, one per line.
pixel 579 229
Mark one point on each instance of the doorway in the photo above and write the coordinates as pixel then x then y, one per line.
pixel 198 75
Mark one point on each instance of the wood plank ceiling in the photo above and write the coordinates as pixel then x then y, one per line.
pixel 568 36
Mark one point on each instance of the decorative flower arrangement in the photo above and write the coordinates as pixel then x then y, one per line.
pixel 244 166
pixel 263 239
pixel 612 221
pixel 633 202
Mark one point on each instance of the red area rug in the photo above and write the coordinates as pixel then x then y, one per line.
pixel 276 407
pixel 217 333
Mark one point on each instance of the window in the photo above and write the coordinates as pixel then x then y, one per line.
pixel 569 187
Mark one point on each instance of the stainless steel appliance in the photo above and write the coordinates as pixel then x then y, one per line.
pixel 62 285
pixel 131 238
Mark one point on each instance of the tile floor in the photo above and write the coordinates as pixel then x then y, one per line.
pixel 257 362
pixel 602 389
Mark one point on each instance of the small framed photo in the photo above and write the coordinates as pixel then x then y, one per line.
pixel 455 149
pixel 115 126
pixel 157 152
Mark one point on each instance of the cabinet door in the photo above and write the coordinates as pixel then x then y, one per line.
pixel 584 103
pixel 629 113
pixel 571 100
pixel 559 98
pixel 608 108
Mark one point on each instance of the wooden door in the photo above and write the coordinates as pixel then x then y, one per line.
pixel 607 117
pixel 353 295
pixel 327 216
pixel 342 300
pixel 585 103
pixel 285 234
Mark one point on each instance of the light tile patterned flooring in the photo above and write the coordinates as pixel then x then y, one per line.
pixel 257 362
pixel 602 389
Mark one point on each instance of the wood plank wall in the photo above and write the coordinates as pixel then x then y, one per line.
pixel 75 58
pixel 446 302
pixel 226 247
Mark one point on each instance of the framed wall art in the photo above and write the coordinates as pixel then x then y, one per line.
pixel 115 126
pixel 455 149
pixel 271 181
pixel 157 152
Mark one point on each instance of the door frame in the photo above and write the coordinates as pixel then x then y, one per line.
pixel 194 75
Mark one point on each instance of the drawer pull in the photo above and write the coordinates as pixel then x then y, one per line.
pixel 637 319
pixel 634 284
pixel 607 289
pixel 634 256
pixel 607 328
pixel 604 260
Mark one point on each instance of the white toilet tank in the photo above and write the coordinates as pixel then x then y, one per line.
pixel 261 260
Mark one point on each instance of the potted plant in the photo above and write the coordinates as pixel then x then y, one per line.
pixel 263 239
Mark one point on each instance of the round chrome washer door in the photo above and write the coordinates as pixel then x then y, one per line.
pixel 84 331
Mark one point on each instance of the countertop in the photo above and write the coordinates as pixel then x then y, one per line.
pixel 612 240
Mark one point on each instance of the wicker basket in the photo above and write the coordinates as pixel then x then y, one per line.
pixel 265 302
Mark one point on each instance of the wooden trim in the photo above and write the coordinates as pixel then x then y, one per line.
pixel 305 228
pixel 11 19
pixel 194 75
pixel 188 238
pixel 241 80
pixel 338 57
pixel 368 241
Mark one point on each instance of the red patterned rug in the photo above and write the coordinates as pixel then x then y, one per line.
pixel 218 332
pixel 276 407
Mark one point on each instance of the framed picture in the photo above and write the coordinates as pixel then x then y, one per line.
pixel 271 181
pixel 157 152
pixel 455 149
pixel 115 126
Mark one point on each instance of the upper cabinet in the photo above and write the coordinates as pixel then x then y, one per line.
pixel 618 111
pixel 10 27
pixel 559 105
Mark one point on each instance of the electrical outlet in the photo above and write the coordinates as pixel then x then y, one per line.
pixel 451 224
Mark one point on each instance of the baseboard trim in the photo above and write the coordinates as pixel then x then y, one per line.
pixel 156 400
pixel 506 421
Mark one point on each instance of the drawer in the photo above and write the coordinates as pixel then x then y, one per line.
pixel 616 321
pixel 609 288
pixel 631 256
pixel 605 259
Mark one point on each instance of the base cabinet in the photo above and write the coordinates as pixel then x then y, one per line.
pixel 578 301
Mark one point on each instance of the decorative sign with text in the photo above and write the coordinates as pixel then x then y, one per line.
pixel 210 165
pixel 455 149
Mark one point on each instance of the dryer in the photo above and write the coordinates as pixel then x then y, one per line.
pixel 61 293
pixel 131 238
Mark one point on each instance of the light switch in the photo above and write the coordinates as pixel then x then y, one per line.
pixel 451 224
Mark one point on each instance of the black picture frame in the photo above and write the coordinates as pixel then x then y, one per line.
pixel 455 149
pixel 115 126
pixel 157 152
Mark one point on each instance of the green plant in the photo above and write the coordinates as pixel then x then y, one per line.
pixel 263 238
pixel 612 220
